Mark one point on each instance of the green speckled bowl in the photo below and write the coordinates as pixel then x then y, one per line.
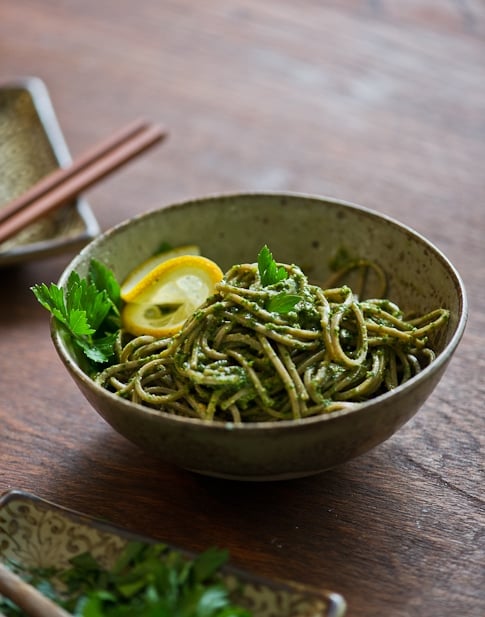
pixel 299 229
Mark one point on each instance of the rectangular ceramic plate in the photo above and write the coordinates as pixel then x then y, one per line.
pixel 31 146
pixel 38 533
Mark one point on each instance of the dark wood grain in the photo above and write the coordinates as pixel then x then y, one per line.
pixel 379 102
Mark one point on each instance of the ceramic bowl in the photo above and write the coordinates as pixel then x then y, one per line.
pixel 299 229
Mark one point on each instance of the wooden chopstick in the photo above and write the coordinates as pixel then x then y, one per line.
pixel 62 174
pixel 26 597
pixel 62 185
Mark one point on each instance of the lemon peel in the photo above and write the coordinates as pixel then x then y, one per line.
pixel 139 273
pixel 167 295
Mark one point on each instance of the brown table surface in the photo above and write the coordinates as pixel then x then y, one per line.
pixel 380 103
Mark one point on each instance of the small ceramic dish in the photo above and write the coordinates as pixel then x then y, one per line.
pixel 31 146
pixel 35 533
pixel 299 229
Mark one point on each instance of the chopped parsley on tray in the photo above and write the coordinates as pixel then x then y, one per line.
pixel 147 580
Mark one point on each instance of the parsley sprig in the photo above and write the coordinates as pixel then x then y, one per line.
pixel 269 271
pixel 147 580
pixel 271 274
pixel 88 308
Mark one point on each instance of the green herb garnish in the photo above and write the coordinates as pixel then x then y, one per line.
pixel 341 258
pixel 282 303
pixel 88 308
pixel 269 271
pixel 271 274
pixel 164 247
pixel 147 580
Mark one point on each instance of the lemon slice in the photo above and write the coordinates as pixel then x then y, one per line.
pixel 163 299
pixel 147 266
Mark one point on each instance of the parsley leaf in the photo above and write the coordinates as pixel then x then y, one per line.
pixel 88 308
pixel 147 580
pixel 103 278
pixel 282 303
pixel 164 247
pixel 207 563
pixel 269 272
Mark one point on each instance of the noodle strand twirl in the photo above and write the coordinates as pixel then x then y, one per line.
pixel 241 357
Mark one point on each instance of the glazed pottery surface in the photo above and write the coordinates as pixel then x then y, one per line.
pixel 308 231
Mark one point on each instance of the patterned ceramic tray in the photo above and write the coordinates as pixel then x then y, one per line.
pixel 37 533
pixel 31 146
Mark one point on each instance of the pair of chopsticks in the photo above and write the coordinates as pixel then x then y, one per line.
pixel 31 601
pixel 64 184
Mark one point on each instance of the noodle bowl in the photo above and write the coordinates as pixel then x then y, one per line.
pixel 280 435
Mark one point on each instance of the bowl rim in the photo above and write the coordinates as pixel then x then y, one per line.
pixel 436 365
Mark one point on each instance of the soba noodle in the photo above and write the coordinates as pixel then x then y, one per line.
pixel 236 360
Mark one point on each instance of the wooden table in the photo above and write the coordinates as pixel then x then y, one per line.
pixel 381 103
